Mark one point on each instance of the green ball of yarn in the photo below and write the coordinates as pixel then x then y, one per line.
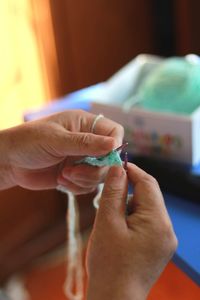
pixel 174 86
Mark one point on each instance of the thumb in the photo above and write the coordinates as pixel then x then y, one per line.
pixel 84 143
pixel 113 201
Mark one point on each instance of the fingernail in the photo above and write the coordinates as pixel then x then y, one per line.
pixel 115 179
pixel 116 172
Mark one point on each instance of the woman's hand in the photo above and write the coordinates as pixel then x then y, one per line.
pixel 41 154
pixel 126 254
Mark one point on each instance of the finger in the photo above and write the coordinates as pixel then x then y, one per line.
pixel 82 121
pixel 86 173
pixel 103 126
pixel 110 128
pixel 148 207
pixel 86 144
pixel 147 193
pixel 83 182
pixel 74 188
pixel 79 182
pixel 37 179
pixel 113 200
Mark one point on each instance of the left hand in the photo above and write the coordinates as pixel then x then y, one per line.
pixel 40 154
pixel 127 254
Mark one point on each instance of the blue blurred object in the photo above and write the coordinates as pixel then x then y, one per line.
pixel 80 99
pixel 185 216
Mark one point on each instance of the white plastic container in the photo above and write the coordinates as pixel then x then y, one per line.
pixel 162 135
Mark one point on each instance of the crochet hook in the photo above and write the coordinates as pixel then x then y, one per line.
pixel 122 147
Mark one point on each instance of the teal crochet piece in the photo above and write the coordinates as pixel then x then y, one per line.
pixel 111 159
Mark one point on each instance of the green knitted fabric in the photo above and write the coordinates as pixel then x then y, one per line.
pixel 111 159
pixel 174 86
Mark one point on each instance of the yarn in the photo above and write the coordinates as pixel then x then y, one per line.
pixel 173 86
pixel 74 250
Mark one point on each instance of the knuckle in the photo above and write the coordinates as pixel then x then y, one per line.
pixel 165 227
pixel 152 180
pixel 84 140
pixel 173 243
pixel 169 239
pixel 171 246
pixel 111 191
pixel 149 184
pixel 80 111
pixel 149 180
pixel 107 208
pixel 76 113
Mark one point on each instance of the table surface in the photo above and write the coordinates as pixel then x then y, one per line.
pixel 185 216
pixel 184 213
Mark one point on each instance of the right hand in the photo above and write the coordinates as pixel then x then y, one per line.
pixel 126 254
pixel 40 154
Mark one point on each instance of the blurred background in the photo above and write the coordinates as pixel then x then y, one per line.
pixel 50 48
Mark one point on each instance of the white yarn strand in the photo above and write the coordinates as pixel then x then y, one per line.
pixel 15 289
pixel 97 198
pixel 75 270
